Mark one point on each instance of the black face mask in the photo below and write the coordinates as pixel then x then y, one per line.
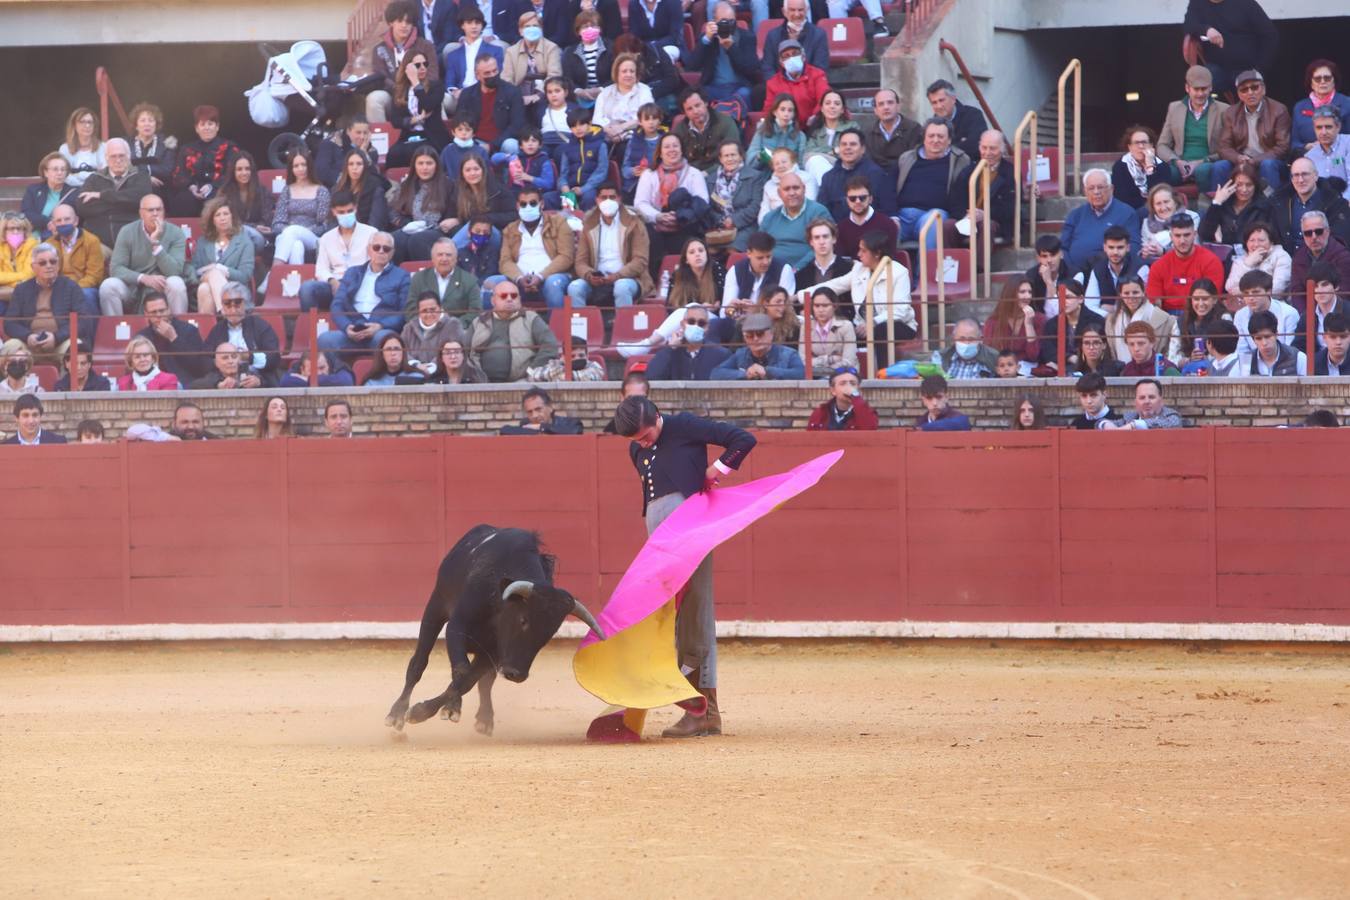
pixel 493 83
pixel 579 365
pixel 17 368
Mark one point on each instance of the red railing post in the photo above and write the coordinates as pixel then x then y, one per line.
pixel 74 360
pixel 313 326
pixel 1310 302
pixel 1062 359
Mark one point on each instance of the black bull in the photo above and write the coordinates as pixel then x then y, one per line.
pixel 495 597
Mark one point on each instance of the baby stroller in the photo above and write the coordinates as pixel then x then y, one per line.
pixel 301 72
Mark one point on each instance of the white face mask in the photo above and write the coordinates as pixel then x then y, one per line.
pixel 967 349
pixel 609 208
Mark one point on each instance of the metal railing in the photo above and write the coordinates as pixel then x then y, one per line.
pixel 985 176
pixel 1074 68
pixel 106 92
pixel 920 15
pixel 931 223
pixel 947 46
pixel 367 15
pixel 1028 125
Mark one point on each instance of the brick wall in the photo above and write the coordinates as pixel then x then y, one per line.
pixel 484 409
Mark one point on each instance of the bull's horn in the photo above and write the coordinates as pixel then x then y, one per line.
pixel 518 587
pixel 584 614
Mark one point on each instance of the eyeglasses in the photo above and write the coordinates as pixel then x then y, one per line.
pixel 1314 232
pixel 526 204
pixel 1250 87
pixel 696 321
pixel 235 302
pixel 1323 78
pixel 1141 143
pixel 858 198
pixel 754 334
pixel 382 248
pixel 45 261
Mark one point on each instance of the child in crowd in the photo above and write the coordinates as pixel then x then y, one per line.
pixel 462 144
pixel 553 121
pixel 583 159
pixel 482 256
pixel 641 154
pixel 1007 366
pixel 531 166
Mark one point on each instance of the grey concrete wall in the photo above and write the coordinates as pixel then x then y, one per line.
pixel 35 23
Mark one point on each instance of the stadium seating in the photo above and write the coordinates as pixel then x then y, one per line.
pixel 268 179
pixel 957 279
pixel 588 324
pixel 635 323
pixel 637 363
pixel 191 231
pixel 762 33
pixel 300 341
pixel 412 267
pixel 110 340
pixel 396 174
pixel 46 376
pixel 283 286
pixel 361 369
pixel 382 137
pixel 846 39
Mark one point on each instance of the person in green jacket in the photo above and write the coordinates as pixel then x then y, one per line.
pixel 149 255
pixel 456 288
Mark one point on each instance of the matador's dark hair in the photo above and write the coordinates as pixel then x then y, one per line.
pixel 633 415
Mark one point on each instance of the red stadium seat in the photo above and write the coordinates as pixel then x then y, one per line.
pixel 763 32
pixel 735 257
pixel 1224 252
pixel 110 340
pixel 594 327
pixel 361 369
pixel 689 36
pixel 669 263
pixel 382 137
pixel 1046 174
pixel 846 40
pixel 396 174
pixel 46 376
pixel 637 363
pixel 414 266
pixel 268 179
pixel 283 286
pixel 300 341
pixel 191 231
pixel 956 281
pixel 634 323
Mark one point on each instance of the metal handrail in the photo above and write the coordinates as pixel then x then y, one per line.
pixel 944 44
pixel 103 84
pixel 1074 68
pixel 985 175
pixel 1019 175
pixel 916 18
pixel 367 14
pixel 931 222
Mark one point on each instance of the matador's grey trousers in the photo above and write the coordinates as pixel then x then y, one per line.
pixel 696 623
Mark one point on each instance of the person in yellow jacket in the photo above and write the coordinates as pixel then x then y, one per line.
pixel 81 254
pixel 16 252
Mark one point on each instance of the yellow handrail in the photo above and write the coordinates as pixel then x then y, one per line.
pixel 985 174
pixel 1019 175
pixel 1074 68
pixel 931 222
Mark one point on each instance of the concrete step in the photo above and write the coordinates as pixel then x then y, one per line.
pixel 861 75
pixel 1008 259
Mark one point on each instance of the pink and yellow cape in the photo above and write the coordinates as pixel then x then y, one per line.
pixel 635 668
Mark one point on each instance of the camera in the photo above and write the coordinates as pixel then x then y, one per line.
pixel 726 28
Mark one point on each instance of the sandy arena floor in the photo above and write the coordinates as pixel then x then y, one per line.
pixel 927 770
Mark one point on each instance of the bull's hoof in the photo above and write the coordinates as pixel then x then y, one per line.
pixel 399 737
pixel 483 727
pixel 394 721
pixel 454 715
pixel 422 711
pixel 445 713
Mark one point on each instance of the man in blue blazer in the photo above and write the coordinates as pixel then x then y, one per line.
pixel 457 66
pixel 369 300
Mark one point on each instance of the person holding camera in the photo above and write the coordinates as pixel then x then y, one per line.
pixel 228 371
pixel 722 38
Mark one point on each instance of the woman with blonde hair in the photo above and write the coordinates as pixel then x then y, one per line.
pixel 16 253
pixel 222 254
pixel 143 372
pixel 274 420
pixel 616 108
pixel 83 149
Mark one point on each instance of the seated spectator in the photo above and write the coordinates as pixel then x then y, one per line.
pixel 390 364
pixel 493 105
pixel 150 255
pixel 202 166
pixel 928 180
pixel 28 424
pixel 401 41
pixel 1236 36
pixel 454 287
pixel 274 420
pixel 611 255
pixel 1002 194
pixel 760 268
pixel 143 372
pixel 967 356
pixel 188 425
pixel 581 61
pixel 834 343
pixel 788 225
pixel 813 43
pixel 507 340
pixel 250 201
pixel 641 153
pixel 337 418
pixel 1221 358
pixel 1078 320
pixel 229 371
pixel 1091 390
pixel 846 410
pixel 1086 225
pixel 776 303
pixel 109 198
pixel 85 378
pixel 18 369
pixel 689 354
pixel 1051 270
pixel 862 215
pixel 1331 152
pixel 892 309
pixel 825 265
pixel 1255 287
pixel 1334 358
pixel 464 144
pixel 1149 410
pixel 700 278
pixel 1273 356
pixel 41 198
pixel 853 164
pixel 736 192
pixel 369 300
pixel 1291 202
pixel 1141 344
pixel 616 107
pixel 891 135
pixel 1203 309
pixel 15 253
pixel 1028 415
pixel 1095 354
pixel 221 255
pixel 1014 325
pixel 1135 306
pixel 89 431
pixel 1264 253
pixel 938 415
pixel 540 418
pixel 301 212
pixel 537 251
pixel 39 312
pixel 339 248
pixel 80 255
pixel 658 22
pixel 1171 276
pixel 1237 204
pixel 1107 269
pixel 583 368
pixel 760 358
pixel 656 68
pixel 671 199
pixel 822 134
pixel 725 57
pixel 1321 79
pixel 967 124
pixel 1326 302
pixel 1189 140
pixel 476 192
pixel 482 256
pixel 363 181
pixel 705 131
pixel 582 159
pixel 427 330
pixel 530 167
pixel 332 372
pixel 1136 173
pixel 531 60
pixel 1319 245
pixel 454 367
pixel 459 61
pixel 249 334
pixel 806 84
pixel 83 151
pixel 1155 234
pixel 1255 116
pixel 331 159
pixel 783 162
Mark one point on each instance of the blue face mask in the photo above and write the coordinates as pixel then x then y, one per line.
pixel 466 143
pixel 65 230
pixel 532 33
pixel 346 220
pixel 793 65
pixel 529 213
pixel 967 349
pixel 478 240
pixel 693 334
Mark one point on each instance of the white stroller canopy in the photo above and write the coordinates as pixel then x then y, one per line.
pixel 288 73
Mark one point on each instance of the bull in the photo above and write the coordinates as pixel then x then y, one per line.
pixel 495 598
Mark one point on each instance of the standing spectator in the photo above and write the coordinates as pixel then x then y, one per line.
pixel 1189 140
pixel 634 384
pixel 891 135
pixel 143 372
pixel 83 151
pixel 222 254
pixel 149 255
pixel 18 369
pixel 1155 234
pixel 530 61
pixel 39 312
pixel 250 334
pixel 846 410
pixel 611 256
pixel 834 343
pixel 938 415
pixel 339 248
pixel 274 420
pixel 189 423
pixel 1141 343
pixel 1134 306
pixel 28 424
pixel 416 110
pixel 806 84
pixel 456 289
pixel 492 104
pixel 85 378
pixel 301 213
pixel 1318 245
pixel 1091 390
pixel 967 356
pixel 704 130
pixel 228 371
pixel 178 344
pixel 462 60
pixel 1149 410
pixel 1291 202
pixel 672 195
pixel 1085 226
pixel 688 355
pixel 369 300
pixel 110 196
pixel 1237 204
pixel 1202 311
pixel 789 224
pixel 616 107
pixel 1264 253
pixel 1256 298
pixel 152 152
pixel 928 180
pixel 1140 169
pixel 1237 35
pixel 1327 302
pixel 401 40
pixel 80 253
pixel 582 158
pixel 1273 357
pixel 15 253
pixel 250 202
pixel 1078 320
pixel 1104 274
pixel 337 419
pixel 1171 277
pixel 854 163
pixel 203 165
pixel 539 416
pixel 89 431
pixel 1321 79
pixel 1014 325
pixel 454 367
pixel 1334 358
pixel 967 123
pixel 41 198
pixel 427 330
pixel 823 131
pixel 508 340
pixel 1330 153
pixel 1028 415
pixel 725 57
pixel 537 250
pixel 760 358
pixel 1255 131
pixel 815 47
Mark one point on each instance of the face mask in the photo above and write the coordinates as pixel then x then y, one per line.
pixel 65 230
pixel 494 82
pixel 14 240
pixel 478 240
pixel 856 392
pixel 793 66
pixel 967 350
pixel 579 365
pixel 532 33
pixel 465 143
pixel 17 368
pixel 609 208
pixel 259 361
pixel 693 334
pixel 590 35
pixel 346 220
pixel 529 213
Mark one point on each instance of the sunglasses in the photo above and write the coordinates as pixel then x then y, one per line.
pixel 382 248
pixel 858 198
pixel 232 303
pixel 526 204
pixel 1314 232
pixel 1323 78
pixel 696 321
pixel 45 261
pixel 419 65
pixel 511 296
pixel 1250 87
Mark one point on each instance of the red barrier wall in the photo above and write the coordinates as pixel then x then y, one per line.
pixel 1203 525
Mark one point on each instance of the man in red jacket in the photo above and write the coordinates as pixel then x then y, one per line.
pixel 846 410
pixel 799 79
pixel 1171 277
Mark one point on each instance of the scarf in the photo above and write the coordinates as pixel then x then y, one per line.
pixel 1326 101
pixel 725 186
pixel 1137 173
pixel 142 382
pixel 669 181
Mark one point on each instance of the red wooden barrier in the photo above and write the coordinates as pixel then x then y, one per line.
pixel 1203 525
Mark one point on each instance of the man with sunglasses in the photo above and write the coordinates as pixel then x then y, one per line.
pixel 1320 245
pixel 1301 196
pixel 846 410
pixel 257 342
pixel 1255 130
pixel 537 250
pixel 507 341
pixel 369 299
pixel 1235 35
pixel 39 311
pixel 691 355
pixel 862 217
pixel 853 163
